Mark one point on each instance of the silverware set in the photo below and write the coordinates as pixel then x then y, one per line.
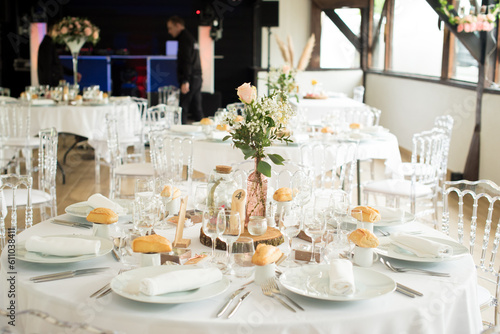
pixel 270 289
pixel 71 224
pixel 105 290
pixel 66 274
pixel 417 270
pixel 233 297
pixel 409 292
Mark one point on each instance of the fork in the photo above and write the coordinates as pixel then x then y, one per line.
pixel 267 292
pixel 105 289
pixel 402 270
pixel 275 289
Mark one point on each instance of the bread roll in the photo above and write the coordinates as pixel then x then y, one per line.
pixel 266 254
pixel 223 127
pixel 364 238
pixel 102 216
pixel 206 121
pixel 283 195
pixel 355 126
pixel 167 192
pixel 151 244
pixel 326 129
pixel 370 215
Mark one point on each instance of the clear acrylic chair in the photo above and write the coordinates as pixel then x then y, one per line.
pixel 475 225
pixel 445 123
pixel 128 115
pixel 424 171
pixel 120 167
pixel 20 187
pixel 172 159
pixel 333 165
pixel 15 136
pixel 169 95
pixel 4 91
pixel 358 93
pixel 44 197
pixel 161 117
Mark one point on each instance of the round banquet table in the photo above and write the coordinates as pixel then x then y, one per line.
pixel 208 153
pixel 449 305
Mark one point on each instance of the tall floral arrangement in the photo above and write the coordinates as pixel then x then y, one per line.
pixel 484 21
pixel 74 28
pixel 262 124
pixel 283 79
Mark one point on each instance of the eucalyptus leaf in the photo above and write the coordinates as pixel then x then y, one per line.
pixel 264 168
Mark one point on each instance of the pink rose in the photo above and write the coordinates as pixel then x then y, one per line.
pixel 480 25
pixel 87 31
pixel 95 35
pixel 64 30
pixel 467 27
pixel 77 25
pixel 286 69
pixel 490 17
pixel 247 93
pixel 87 22
pixel 473 26
pixel 460 27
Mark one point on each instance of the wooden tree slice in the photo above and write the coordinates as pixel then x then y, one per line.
pixel 272 237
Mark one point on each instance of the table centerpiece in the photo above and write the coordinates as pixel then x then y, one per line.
pixel 74 32
pixel 263 123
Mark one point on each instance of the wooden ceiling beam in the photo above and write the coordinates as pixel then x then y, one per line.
pixel 343 28
pixel 332 4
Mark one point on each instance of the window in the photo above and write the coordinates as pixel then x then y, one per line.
pixel 379 47
pixel 417 44
pixel 336 50
pixel 465 66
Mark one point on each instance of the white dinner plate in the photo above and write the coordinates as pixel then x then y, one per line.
pixel 24 255
pixel 82 209
pixel 127 285
pixel 395 252
pixel 314 280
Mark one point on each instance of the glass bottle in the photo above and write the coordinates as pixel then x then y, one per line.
pixel 221 187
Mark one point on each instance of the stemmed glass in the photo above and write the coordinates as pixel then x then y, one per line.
pixel 303 184
pixel 340 203
pixel 232 231
pixel 213 225
pixel 314 227
pixel 290 226
pixel 200 197
pixel 147 207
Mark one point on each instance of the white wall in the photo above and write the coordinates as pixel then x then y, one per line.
pixel 410 106
pixel 294 17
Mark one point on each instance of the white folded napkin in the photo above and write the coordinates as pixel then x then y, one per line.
pixel 180 280
pixel 62 246
pixel 421 247
pixel 341 277
pixel 100 201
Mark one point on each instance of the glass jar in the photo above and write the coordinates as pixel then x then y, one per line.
pixel 257 225
pixel 221 187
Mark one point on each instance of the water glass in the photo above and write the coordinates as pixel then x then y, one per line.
pixel 314 227
pixel 243 250
pixel 232 231
pixel 123 243
pixel 337 245
pixel 200 197
pixel 340 205
pixel 213 226
pixel 147 206
pixel 291 226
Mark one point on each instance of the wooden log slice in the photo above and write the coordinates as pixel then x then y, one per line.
pixel 272 237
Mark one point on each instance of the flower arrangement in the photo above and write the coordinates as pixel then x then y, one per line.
pixel 283 79
pixel 470 23
pixel 263 123
pixel 73 28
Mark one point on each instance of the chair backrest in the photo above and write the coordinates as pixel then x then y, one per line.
pixel 376 115
pixel 427 156
pixel 445 123
pixel 15 122
pixel 333 164
pixel 14 182
pixel 47 167
pixel 169 95
pixel 128 116
pixel 478 205
pixel 169 154
pixel 4 91
pixel 161 117
pixel 142 104
pixel 358 93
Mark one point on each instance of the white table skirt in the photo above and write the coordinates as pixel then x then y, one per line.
pixel 449 305
pixel 209 153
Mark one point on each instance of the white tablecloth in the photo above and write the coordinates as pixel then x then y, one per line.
pixel 313 110
pixel 449 305
pixel 209 153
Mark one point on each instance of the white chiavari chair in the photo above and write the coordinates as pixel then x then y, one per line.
pixel 119 166
pixel 20 187
pixel 172 159
pixel 161 117
pixel 424 171
pixel 475 225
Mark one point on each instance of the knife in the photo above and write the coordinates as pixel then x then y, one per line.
pixel 71 224
pixel 415 292
pixel 66 274
pixel 406 293
pixel 115 254
pixel 238 305
pixel 224 308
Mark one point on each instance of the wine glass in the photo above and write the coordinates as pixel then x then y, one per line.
pixel 314 227
pixel 231 222
pixel 340 204
pixel 213 226
pixel 302 186
pixel 290 226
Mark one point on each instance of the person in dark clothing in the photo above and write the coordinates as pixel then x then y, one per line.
pixel 50 69
pixel 188 69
